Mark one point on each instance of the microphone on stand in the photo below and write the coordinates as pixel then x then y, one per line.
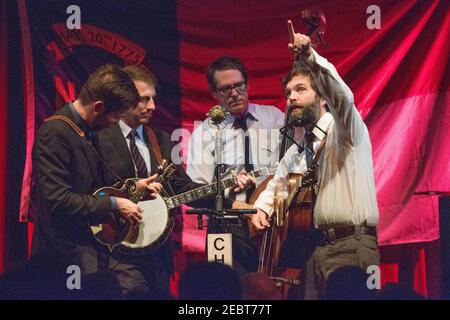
pixel 297 120
pixel 217 114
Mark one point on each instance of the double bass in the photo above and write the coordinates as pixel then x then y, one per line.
pixel 292 214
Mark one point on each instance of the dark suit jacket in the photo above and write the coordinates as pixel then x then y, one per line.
pixel 66 174
pixel 114 150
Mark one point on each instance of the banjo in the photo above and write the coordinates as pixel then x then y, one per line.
pixel 117 230
pixel 158 221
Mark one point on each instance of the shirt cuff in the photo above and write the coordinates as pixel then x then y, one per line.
pixel 268 209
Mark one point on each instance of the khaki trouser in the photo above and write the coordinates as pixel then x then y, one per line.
pixel 355 250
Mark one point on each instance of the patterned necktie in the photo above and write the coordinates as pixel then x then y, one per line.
pixel 309 149
pixel 241 123
pixel 139 162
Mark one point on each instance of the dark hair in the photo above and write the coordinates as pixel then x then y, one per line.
pixel 348 283
pixel 141 73
pixel 224 63
pixel 209 281
pixel 113 86
pixel 304 70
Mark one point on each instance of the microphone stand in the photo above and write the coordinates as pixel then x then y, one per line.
pixel 299 123
pixel 220 169
pixel 225 214
pixel 218 216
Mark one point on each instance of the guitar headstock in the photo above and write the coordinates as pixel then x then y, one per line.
pixel 166 170
pixel 309 177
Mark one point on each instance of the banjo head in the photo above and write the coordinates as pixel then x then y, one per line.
pixel 153 230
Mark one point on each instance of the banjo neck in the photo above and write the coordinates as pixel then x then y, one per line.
pixel 208 190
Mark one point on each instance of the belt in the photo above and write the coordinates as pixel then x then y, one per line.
pixel 333 233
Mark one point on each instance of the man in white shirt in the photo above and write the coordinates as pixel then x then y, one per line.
pixel 250 142
pixel 345 210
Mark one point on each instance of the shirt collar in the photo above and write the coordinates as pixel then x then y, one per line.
pixel 251 114
pixel 323 123
pixel 79 120
pixel 126 129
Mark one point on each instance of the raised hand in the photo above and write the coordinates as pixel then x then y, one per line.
pixel 298 43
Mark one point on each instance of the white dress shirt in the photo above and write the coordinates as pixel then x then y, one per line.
pixel 140 143
pixel 263 129
pixel 346 193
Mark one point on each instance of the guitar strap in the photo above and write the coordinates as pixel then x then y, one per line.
pixel 69 122
pixel 315 168
pixel 167 190
pixel 319 151
pixel 154 142
pixel 80 133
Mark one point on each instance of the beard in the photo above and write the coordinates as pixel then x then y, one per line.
pixel 308 113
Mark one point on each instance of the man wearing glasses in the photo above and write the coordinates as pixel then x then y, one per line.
pixel 251 142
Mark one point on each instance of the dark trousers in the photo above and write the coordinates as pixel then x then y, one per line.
pixel 355 250
pixel 146 276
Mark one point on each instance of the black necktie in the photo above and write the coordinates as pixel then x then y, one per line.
pixel 309 148
pixel 137 157
pixel 241 123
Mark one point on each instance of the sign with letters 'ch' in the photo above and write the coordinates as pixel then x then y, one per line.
pixel 220 248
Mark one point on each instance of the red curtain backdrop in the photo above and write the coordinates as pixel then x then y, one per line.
pixel 399 75
pixel 416 265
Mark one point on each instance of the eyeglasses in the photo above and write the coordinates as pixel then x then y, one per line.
pixel 226 91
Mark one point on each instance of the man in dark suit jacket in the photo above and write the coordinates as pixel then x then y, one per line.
pixel 66 171
pixel 149 273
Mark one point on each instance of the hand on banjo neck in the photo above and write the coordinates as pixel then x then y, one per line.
pixel 130 211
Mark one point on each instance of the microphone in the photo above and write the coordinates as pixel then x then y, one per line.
pixel 299 120
pixel 217 114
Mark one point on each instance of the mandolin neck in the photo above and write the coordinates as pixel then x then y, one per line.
pixel 140 194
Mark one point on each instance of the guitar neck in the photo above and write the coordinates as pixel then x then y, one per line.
pixel 208 190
